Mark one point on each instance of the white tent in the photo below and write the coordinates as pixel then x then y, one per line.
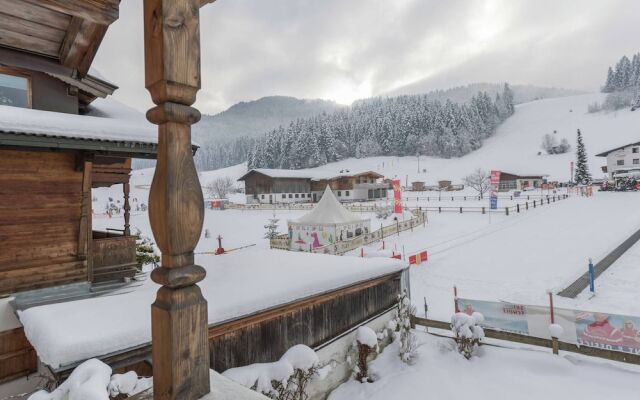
pixel 327 223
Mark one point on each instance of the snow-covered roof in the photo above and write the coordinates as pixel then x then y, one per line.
pixel 328 211
pixel 315 174
pixel 236 285
pixel 116 125
pixel 606 153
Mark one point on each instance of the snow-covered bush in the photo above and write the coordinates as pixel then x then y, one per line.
pixel 92 380
pixel 367 344
pixel 272 227
pixel 402 323
pixel 467 331
pixel 285 379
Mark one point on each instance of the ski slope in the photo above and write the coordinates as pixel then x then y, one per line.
pixel 514 148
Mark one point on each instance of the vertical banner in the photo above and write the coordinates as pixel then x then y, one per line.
pixel 397 200
pixel 495 184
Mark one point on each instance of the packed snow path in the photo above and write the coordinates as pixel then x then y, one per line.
pixel 582 283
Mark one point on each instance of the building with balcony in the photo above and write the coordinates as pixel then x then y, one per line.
pixel 623 161
pixel 273 186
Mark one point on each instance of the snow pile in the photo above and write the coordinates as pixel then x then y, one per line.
pixel 92 380
pixel 556 330
pixel 301 357
pixel 272 378
pixel 367 337
pixel 501 373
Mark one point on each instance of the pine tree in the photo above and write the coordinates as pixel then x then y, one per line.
pixel 272 228
pixel 609 85
pixel 582 175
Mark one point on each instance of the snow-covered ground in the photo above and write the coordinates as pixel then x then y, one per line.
pixel 496 373
pixel 519 257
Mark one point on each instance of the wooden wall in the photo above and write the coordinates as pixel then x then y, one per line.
pixel 17 357
pixel 40 207
pixel 264 337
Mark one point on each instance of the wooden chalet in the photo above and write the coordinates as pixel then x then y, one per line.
pixel 272 186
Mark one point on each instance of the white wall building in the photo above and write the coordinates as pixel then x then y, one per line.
pixel 623 161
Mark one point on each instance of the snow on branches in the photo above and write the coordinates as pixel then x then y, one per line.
pixel 402 324
pixel 285 379
pixel 467 331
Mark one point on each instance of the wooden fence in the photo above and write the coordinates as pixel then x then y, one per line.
pixel 535 341
pixel 281 242
pixel 515 209
pixel 447 197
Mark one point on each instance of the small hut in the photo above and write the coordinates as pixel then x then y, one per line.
pixel 326 224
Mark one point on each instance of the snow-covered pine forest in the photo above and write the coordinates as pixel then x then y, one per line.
pixel 400 126
pixel 622 85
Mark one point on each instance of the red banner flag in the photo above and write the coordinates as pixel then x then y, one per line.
pixel 397 200
pixel 418 258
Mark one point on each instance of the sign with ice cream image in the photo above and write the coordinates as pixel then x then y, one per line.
pixel 329 222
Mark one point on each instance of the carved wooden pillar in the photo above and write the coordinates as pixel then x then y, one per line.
pixel 176 206
pixel 127 208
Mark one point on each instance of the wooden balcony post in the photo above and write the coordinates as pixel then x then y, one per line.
pixel 176 207
pixel 127 208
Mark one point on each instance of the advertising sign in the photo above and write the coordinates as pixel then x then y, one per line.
pixel 498 315
pixel 397 200
pixel 495 184
pixel 608 331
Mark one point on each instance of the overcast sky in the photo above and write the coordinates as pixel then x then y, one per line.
pixel 348 49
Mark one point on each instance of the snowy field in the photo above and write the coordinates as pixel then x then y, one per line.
pixel 519 257
pixel 496 373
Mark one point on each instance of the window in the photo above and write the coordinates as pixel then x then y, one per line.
pixel 290 196
pixel 284 196
pixel 309 195
pixel 297 196
pixel 635 149
pixel 339 193
pixel 262 197
pixel 636 161
pixel 620 162
pixel 346 193
pixel 15 88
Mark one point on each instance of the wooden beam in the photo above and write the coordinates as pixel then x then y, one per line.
pixel 16 58
pixel 176 207
pixel 102 12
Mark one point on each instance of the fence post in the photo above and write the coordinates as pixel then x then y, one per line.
pixel 483 210
pixel 460 210
pixel 511 197
pixel 506 209
pixel 455 299
pixel 518 208
pixel 526 205
pixel 465 198
pixel 439 209
pixel 534 204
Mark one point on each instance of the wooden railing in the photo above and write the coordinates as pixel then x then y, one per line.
pixel 536 341
pixel 114 256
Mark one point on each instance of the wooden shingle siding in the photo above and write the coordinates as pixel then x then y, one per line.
pixel 40 206
pixel 17 357
pixel 265 336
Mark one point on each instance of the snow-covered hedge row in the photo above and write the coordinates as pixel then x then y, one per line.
pixel 92 380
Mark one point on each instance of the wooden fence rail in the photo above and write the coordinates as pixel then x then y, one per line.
pixel 515 209
pixel 535 341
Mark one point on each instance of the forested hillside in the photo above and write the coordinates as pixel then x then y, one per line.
pixel 404 125
pixel 622 85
